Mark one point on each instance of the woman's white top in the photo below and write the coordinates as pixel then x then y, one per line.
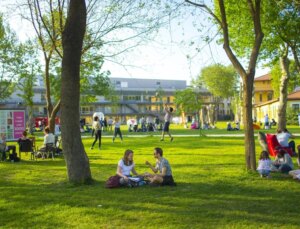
pixel 264 164
pixel 125 169
pixel 117 124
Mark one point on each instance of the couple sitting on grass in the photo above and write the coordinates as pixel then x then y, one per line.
pixel 162 170
pixel 283 163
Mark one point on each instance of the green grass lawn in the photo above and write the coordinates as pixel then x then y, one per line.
pixel 214 190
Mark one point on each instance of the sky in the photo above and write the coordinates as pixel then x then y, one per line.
pixel 164 57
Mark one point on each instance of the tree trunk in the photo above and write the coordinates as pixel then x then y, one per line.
pixel 247 122
pixel 297 62
pixel 52 116
pixel 247 76
pixel 284 80
pixel 78 166
pixel 29 123
pixel 47 85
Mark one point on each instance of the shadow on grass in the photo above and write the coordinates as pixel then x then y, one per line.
pixel 187 204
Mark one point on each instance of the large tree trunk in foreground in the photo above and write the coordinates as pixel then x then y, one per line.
pixel 284 80
pixel 78 166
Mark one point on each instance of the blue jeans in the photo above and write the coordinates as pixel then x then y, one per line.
pixel 264 172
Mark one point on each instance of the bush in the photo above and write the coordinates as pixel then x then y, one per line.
pixel 291 117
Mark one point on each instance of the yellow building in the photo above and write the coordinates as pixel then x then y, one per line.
pixel 271 107
pixel 263 91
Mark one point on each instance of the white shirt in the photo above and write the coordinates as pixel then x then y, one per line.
pixel 264 164
pixel 125 169
pixel 57 130
pixel 117 124
pixel 283 139
pixel 49 138
pixel 167 115
pixel 96 126
pixel 266 118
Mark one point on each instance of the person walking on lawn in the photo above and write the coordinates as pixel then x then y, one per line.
pixel 168 117
pixel 117 124
pixel 98 132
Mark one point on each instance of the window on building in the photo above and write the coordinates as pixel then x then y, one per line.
pixel 260 97
pixel 158 83
pixel 43 97
pixel 132 98
pixel 124 84
pixel 86 110
pixel 295 107
pixel 270 96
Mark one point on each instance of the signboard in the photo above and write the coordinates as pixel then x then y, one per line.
pixel 12 123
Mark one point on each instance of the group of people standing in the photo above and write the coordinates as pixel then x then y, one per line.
pixel 97 127
pixel 97 131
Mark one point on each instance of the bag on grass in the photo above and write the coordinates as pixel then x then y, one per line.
pixel 136 181
pixel 113 182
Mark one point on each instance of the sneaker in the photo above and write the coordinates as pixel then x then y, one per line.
pixel 171 139
pixel 113 140
pixel 161 140
pixel 261 175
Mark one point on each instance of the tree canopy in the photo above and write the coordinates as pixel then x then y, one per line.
pixel 220 80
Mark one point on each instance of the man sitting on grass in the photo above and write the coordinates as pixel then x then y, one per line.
pixel 164 177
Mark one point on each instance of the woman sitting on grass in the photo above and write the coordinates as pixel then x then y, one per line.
pixel 264 164
pixel 283 162
pixel 126 167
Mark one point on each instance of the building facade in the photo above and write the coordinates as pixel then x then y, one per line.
pixel 134 98
pixel 271 107
pixel 264 101
pixel 262 93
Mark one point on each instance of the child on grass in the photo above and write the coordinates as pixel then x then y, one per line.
pixel 264 164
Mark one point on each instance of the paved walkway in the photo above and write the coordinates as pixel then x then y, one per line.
pixel 175 135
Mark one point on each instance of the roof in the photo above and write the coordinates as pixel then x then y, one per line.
pixel 265 77
pixel 292 96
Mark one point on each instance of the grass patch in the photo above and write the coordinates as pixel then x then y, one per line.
pixel 214 190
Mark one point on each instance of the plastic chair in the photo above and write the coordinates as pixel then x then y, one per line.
pixel 25 146
pixel 47 150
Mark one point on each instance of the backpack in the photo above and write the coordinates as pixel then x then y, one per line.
pixel 113 182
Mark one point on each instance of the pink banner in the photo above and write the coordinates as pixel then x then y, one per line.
pixel 19 123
